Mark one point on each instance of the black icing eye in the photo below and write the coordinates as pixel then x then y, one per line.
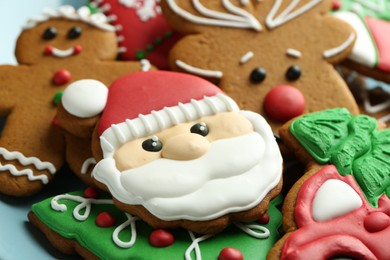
pixel 152 144
pixel 49 33
pixel 293 72
pixel 258 75
pixel 74 32
pixel 200 128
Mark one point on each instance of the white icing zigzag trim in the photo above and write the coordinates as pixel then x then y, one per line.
pixel 238 18
pixel 86 164
pixel 288 14
pixel 198 71
pixel 26 161
pixel 98 20
pixel 145 65
pixel 337 50
pixel 129 222
pixel 195 246
pixel 250 229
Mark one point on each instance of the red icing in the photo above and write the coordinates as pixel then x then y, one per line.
pixel 284 103
pixel 380 31
pixel 139 34
pixel 141 92
pixel 376 222
pixel 91 193
pixel 61 77
pixel 264 219
pixel 342 236
pixel 161 238
pixel 105 219
pixel 230 253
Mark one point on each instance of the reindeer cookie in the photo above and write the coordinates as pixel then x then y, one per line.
pixel 168 144
pixel 341 206
pixel 53 50
pixel 142 30
pixel 272 57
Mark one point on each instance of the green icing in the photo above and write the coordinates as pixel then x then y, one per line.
pixel 99 240
pixel 352 144
pixel 374 8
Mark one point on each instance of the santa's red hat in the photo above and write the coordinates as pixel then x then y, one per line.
pixel 143 103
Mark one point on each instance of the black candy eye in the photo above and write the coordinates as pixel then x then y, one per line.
pixel 152 144
pixel 49 33
pixel 293 72
pixel 258 75
pixel 74 32
pixel 200 128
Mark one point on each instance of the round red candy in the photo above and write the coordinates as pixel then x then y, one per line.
pixel 91 193
pixel 264 219
pixel 336 5
pixel 77 49
pixel 61 77
pixel 284 102
pixel 229 253
pixel 161 238
pixel 105 219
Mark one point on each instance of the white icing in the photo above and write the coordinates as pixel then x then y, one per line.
pixel 247 57
pixel 195 246
pixel 375 7
pixel 289 13
pixel 85 205
pixel 237 18
pixel 145 65
pixel 115 136
pixel 333 199
pixel 85 98
pixel 62 53
pixel 129 222
pixel 23 160
pixel 199 71
pixel 337 50
pixel 200 185
pixel 86 164
pixel 364 50
pixel 98 20
pixel 145 9
pixel 252 230
pixel 293 53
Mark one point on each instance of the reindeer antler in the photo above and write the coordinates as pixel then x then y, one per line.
pixel 237 18
pixel 289 13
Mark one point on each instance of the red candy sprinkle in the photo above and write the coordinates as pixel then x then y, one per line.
pixel 61 77
pixel 105 219
pixel 284 103
pixel 376 222
pixel 264 219
pixel 91 193
pixel 161 238
pixel 336 5
pixel 77 49
pixel 56 122
pixel 48 50
pixel 229 253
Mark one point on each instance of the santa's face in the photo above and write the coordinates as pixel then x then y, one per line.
pixel 198 170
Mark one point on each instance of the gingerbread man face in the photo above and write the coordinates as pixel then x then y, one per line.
pixel 272 57
pixel 53 50
pixel 168 142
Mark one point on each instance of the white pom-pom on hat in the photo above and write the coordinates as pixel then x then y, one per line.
pixel 85 98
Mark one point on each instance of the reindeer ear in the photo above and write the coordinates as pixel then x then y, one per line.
pixel 189 17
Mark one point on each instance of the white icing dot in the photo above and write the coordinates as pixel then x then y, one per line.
pixel 85 98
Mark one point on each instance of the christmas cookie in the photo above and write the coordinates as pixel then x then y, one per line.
pixel 53 50
pixel 371 21
pixel 143 32
pixel 341 206
pixel 168 144
pixel 94 228
pixel 271 57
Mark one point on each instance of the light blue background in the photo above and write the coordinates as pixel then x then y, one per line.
pixel 18 238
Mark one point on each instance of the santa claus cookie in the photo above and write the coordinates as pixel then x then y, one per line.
pixel 271 57
pixel 93 227
pixel 53 50
pixel 167 146
pixel 143 32
pixel 341 206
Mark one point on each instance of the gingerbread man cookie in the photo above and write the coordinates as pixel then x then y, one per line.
pixel 168 144
pixel 272 57
pixel 52 51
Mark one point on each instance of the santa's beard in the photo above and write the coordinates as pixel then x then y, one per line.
pixel 234 175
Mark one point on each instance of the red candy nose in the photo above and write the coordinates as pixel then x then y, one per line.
pixel 284 103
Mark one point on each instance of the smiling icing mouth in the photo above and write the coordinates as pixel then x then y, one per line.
pixel 52 51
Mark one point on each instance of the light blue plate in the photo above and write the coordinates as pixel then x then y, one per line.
pixel 18 238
